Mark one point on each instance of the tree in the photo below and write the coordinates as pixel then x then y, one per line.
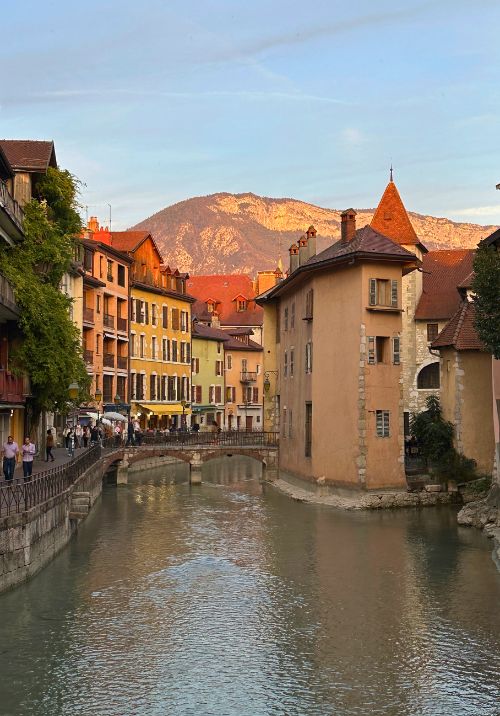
pixel 486 288
pixel 433 434
pixel 49 350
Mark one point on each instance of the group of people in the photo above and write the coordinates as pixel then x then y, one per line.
pixel 12 454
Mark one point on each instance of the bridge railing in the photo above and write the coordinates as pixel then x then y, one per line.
pixel 20 496
pixel 226 438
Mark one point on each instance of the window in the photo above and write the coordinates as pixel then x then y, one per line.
pixel 174 351
pixel 230 394
pixel 152 388
pixel 241 304
pixel 142 345
pixel 383 292
pixel 308 431
pixel 164 349
pixel 292 317
pixel 109 271
pixel 132 345
pixel 244 365
pixel 396 350
pixel 229 361
pixel 309 357
pixel 290 421
pixel 382 423
pixel 101 266
pixel 218 367
pixel 153 347
pixel 309 305
pixel 175 319
pixel 132 310
pixel 284 423
pixel 183 351
pixel 255 395
pixel 285 320
pixel 285 365
pixel 153 314
pixel 219 347
pixel 98 343
pixel 88 259
pixel 98 304
pixel 195 365
pixel 133 390
pixel 121 275
pixel 184 320
pixel 292 354
pixel 428 378
pixel 211 394
pixel 163 387
pixel 377 349
pixel 218 393
pixel 432 332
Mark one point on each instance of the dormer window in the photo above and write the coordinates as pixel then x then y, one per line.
pixel 210 306
pixel 241 304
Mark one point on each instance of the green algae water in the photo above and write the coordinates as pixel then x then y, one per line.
pixel 229 599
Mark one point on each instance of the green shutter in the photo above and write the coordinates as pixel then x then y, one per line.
pixel 372 292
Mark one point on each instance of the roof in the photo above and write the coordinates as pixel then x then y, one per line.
pixel 443 271
pixel 128 240
pixel 459 332
pixel 391 218
pixel 29 155
pixel 224 289
pixel 493 238
pixel 5 168
pixel 234 344
pixel 366 241
pixel 213 334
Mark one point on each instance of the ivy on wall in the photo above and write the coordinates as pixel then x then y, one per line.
pixel 486 288
pixel 49 346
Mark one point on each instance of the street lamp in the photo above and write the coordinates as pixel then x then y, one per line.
pixel 117 399
pixel 98 398
pixel 184 404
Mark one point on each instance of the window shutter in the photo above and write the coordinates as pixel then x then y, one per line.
pixel 372 290
pixel 218 393
pixel 255 395
pixel 371 350
pixel 146 309
pixel 199 393
pixel 394 293
pixel 175 319
pixel 165 316
pixel 179 388
pixel 396 351
pixel 139 318
pixel 188 352
pixel 132 308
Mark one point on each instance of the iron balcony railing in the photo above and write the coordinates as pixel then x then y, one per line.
pixel 248 376
pixel 121 324
pixel 109 360
pixel 109 320
pixel 88 315
pixel 121 362
pixel 11 206
pixel 21 496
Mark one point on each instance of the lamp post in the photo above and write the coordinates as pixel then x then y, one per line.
pixel 98 398
pixel 267 386
pixel 73 391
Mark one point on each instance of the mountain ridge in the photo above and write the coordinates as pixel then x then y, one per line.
pixel 246 233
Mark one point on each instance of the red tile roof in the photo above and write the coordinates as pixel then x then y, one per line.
pixel 459 332
pixel 128 240
pixel 29 155
pixel 224 289
pixel 443 271
pixel 391 218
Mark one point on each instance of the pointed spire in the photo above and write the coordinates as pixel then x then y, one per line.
pixel 391 218
pixel 390 174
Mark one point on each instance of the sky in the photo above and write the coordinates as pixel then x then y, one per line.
pixel 154 101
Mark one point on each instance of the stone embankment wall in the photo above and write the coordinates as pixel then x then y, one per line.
pixel 485 515
pixel 29 540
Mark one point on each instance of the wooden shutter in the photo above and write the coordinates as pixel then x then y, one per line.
pixel 372 291
pixel 132 310
pixel 175 319
pixel 394 293
pixel 255 397
pixel 165 316
pixel 188 352
pixel 179 388
pixel 218 394
pixel 193 393
pixel 396 350
pixel 146 309
pixel 139 317
pixel 199 393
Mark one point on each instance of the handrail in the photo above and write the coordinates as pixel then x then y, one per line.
pixel 11 206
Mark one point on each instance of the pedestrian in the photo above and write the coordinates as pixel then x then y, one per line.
pixel 49 444
pixel 66 433
pixel 78 436
pixel 137 432
pixel 94 435
pixel 118 434
pixel 71 442
pixel 28 449
pixel 10 452
pixel 130 433
pixel 86 436
pixel 195 427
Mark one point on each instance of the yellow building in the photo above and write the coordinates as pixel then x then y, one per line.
pixel 160 335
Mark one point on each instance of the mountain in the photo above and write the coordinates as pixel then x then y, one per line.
pixel 245 233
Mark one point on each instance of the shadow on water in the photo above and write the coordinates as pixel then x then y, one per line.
pixel 228 598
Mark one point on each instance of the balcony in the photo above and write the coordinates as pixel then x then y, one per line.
pixel 13 389
pixel 88 357
pixel 109 320
pixel 121 324
pixel 11 207
pixel 88 315
pixel 122 362
pixel 248 377
pixel 9 310
pixel 108 360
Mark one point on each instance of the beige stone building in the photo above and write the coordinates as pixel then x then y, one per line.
pixel 336 359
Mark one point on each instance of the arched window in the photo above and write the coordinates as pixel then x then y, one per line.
pixel 428 378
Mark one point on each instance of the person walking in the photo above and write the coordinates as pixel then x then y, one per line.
pixel 28 450
pixel 94 435
pixel 71 442
pixel 10 452
pixel 78 436
pixel 86 436
pixel 137 432
pixel 49 445
pixel 66 433
pixel 118 434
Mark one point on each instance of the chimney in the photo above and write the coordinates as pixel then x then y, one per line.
pixel 93 224
pixel 303 250
pixel 348 225
pixel 294 257
pixel 311 240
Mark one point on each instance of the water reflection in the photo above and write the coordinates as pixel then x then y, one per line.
pixel 229 598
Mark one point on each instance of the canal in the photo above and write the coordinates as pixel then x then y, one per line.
pixel 230 599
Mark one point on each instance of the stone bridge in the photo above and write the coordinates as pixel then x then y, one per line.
pixel 264 448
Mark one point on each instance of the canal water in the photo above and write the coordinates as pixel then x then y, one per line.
pixel 230 599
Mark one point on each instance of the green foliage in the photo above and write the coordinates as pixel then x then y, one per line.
pixel 486 287
pixel 49 350
pixel 433 434
pixel 435 438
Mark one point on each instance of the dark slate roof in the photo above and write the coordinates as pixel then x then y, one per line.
pixel 443 271
pixel 367 242
pixel 493 238
pixel 459 332
pixel 29 155
pixel 213 334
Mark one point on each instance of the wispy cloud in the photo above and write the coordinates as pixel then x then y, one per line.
pixel 492 210
pixel 353 136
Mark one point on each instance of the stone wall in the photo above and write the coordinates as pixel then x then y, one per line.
pixel 29 540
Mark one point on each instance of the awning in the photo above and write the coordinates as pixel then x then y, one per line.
pixel 163 408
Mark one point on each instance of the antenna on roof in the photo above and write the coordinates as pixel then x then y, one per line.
pixel 390 172
pixel 109 216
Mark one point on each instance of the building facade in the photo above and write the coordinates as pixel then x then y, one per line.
pixel 208 376
pixel 337 324
pixel 243 381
